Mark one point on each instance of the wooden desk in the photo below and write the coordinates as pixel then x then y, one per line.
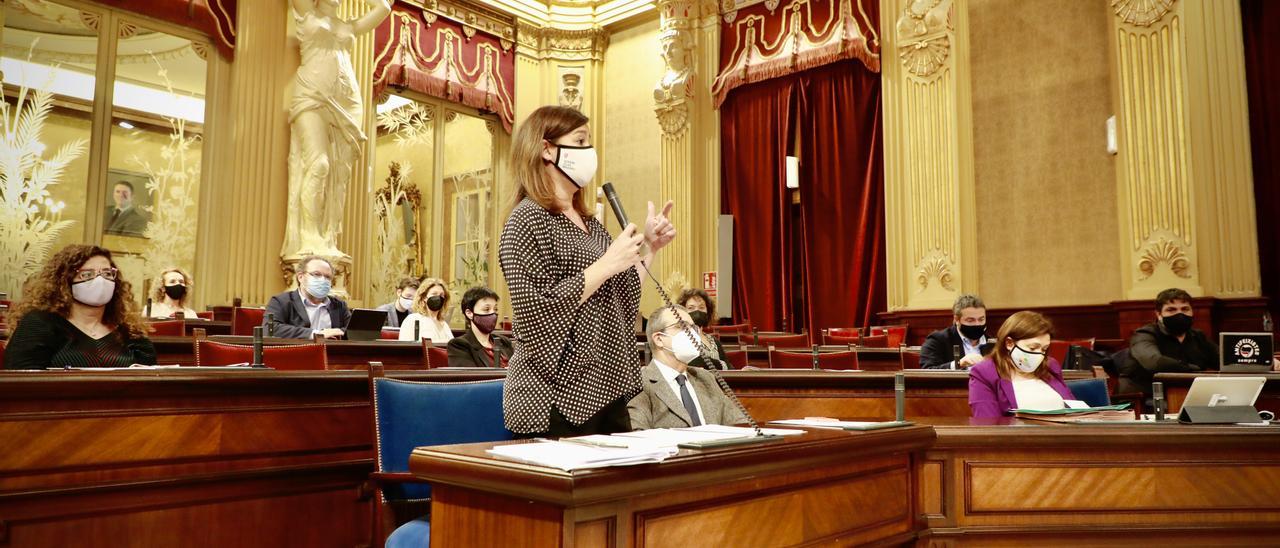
pixel 187 458
pixel 1176 386
pixel 870 359
pixel 797 393
pixel 1005 482
pixel 826 487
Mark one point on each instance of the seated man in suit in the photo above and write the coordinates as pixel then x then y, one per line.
pixel 968 333
pixel 309 310
pixel 674 395
pixel 1167 345
pixel 480 346
pixel 122 217
pixel 400 308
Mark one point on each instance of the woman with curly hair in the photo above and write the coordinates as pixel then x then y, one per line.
pixel 702 310
pixel 77 312
pixel 172 289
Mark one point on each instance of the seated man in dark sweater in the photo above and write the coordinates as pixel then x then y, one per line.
pixel 1167 345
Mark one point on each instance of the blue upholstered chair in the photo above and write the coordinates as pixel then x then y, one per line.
pixel 409 414
pixel 1090 391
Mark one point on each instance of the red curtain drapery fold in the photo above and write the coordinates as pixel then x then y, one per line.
pixel 443 58
pixel 764 40
pixel 842 195
pixel 836 277
pixel 1259 21
pixel 217 18
pixel 755 128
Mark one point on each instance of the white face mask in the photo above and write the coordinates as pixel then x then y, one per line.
pixel 406 304
pixel 1026 361
pixel 577 163
pixel 95 292
pixel 682 347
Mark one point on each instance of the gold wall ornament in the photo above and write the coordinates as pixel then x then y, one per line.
pixel 1142 13
pixel 935 267
pixel 399 230
pixel 1166 252
pixel 30 222
pixel 173 186
pixel 924 36
pixel 674 91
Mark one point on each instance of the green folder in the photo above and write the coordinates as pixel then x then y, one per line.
pixel 1116 407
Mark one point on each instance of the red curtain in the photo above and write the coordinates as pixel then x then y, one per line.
pixel 842 195
pixel 836 277
pixel 1260 20
pixel 755 134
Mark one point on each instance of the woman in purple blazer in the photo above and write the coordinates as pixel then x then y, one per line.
pixel 1018 373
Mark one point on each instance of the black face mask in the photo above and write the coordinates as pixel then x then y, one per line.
pixel 699 318
pixel 435 302
pixel 1177 324
pixel 175 292
pixel 973 332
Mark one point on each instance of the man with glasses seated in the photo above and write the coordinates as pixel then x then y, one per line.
pixel 672 394
pixel 309 310
pixel 78 312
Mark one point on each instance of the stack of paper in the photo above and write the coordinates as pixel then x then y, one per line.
pixel 1106 413
pixel 579 456
pixel 823 422
pixel 743 430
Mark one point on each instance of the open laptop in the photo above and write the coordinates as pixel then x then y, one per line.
pixel 1224 391
pixel 365 324
pixel 1246 352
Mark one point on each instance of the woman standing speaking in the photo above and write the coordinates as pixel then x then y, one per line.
pixel 574 290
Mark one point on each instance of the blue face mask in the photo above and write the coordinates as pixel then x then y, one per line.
pixel 318 287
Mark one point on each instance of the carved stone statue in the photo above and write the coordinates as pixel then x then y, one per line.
pixel 326 119
pixel 570 93
pixel 677 51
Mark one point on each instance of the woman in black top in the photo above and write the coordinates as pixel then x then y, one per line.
pixel 77 312
pixel 575 291
pixel 702 310
pixel 480 346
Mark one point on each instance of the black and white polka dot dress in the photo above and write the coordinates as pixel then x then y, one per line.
pixel 576 357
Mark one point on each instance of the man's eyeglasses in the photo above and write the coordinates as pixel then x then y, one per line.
pixel 321 275
pixel 87 274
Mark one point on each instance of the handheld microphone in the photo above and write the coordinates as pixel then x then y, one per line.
pixel 257 347
pixel 148 307
pixel 612 195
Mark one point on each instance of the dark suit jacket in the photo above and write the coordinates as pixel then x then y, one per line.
pixel 291 317
pixel 657 406
pixel 938 350
pixel 130 222
pixel 466 351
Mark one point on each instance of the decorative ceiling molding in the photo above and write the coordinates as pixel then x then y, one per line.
pixel 572 14
pixel 471 15
pixel 565 45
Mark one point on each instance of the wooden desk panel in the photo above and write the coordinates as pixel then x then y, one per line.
pixel 1008 482
pixel 826 486
pixel 186 458
pixel 1176 386
pixel 789 394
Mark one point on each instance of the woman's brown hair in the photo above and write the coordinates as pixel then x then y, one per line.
pixel 420 300
pixel 157 294
pixel 706 299
pixel 527 165
pixel 1020 326
pixel 50 291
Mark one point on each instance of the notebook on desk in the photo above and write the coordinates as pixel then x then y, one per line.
pixel 1246 352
